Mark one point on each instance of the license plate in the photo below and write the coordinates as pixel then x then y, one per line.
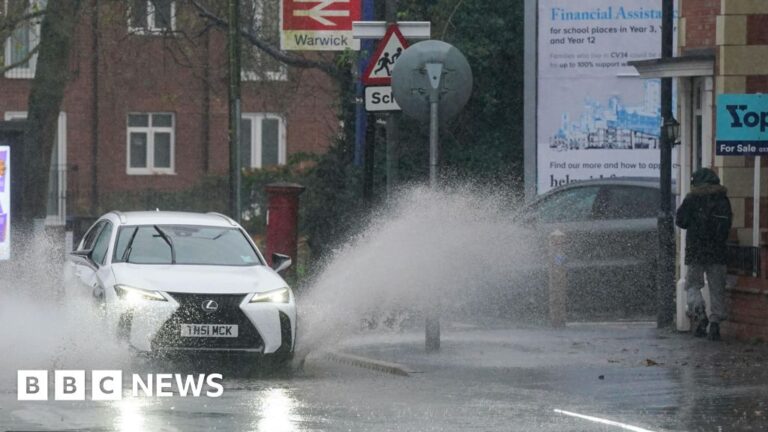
pixel 209 330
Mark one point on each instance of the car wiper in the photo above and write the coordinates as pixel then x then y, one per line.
pixel 168 240
pixel 127 253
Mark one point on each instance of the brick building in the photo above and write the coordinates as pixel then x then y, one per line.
pixel 723 49
pixel 146 106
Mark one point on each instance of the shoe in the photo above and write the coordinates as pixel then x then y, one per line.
pixel 714 332
pixel 701 327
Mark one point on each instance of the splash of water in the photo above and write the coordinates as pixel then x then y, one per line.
pixel 453 250
pixel 48 321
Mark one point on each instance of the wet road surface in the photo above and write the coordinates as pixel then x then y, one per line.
pixel 498 380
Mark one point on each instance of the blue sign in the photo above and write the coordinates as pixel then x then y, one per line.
pixel 742 125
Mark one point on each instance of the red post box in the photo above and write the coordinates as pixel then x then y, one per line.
pixel 283 219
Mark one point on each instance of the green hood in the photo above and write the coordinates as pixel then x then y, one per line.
pixel 704 176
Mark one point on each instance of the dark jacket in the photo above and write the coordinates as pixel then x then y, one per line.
pixel 706 214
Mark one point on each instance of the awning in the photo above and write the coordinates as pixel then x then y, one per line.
pixel 676 67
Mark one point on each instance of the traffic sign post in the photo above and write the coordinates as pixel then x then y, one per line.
pixel 318 25
pixel 432 83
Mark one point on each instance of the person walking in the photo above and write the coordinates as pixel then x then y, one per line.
pixel 706 216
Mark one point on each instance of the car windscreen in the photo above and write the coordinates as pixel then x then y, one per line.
pixel 184 244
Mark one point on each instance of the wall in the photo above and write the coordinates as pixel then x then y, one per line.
pixel 184 74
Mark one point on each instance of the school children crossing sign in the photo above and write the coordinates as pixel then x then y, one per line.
pixel 318 25
pixel 379 70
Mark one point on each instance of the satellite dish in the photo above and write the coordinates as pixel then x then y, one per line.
pixel 413 84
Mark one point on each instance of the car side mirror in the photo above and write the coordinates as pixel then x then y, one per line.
pixel 280 262
pixel 84 254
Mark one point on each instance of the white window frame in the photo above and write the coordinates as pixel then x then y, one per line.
pixel 61 146
pixel 256 144
pixel 281 74
pixel 22 72
pixel 151 28
pixel 150 130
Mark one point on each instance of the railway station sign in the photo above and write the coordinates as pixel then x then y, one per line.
pixel 318 25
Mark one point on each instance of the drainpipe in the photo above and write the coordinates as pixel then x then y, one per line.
pixel 95 107
pixel 756 204
pixel 682 323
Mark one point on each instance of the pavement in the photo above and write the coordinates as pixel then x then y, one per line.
pixel 626 372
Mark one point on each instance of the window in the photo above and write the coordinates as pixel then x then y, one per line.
pixel 23 40
pixel 190 245
pixel 152 16
pixel 90 237
pixel 262 140
pixel 151 140
pixel 263 17
pixel 627 202
pixel 99 253
pixel 570 205
pixel 57 179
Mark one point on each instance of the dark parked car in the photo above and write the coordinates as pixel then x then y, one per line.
pixel 611 246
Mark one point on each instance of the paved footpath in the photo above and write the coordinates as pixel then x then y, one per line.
pixel 629 372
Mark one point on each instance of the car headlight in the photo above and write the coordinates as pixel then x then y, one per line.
pixel 135 295
pixel 282 295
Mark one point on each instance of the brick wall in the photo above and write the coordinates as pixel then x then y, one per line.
pixel 748 310
pixel 741 43
pixel 184 74
pixel 698 18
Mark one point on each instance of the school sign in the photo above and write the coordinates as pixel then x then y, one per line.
pixel 742 125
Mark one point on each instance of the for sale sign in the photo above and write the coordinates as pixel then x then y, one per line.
pixel 742 125
pixel 318 25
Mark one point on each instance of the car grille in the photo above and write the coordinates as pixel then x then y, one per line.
pixel 190 311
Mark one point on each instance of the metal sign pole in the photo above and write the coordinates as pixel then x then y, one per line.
pixel 425 100
pixel 435 72
pixel 433 140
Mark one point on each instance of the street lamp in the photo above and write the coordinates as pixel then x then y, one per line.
pixel 671 130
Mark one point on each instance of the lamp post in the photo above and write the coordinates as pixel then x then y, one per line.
pixel 666 230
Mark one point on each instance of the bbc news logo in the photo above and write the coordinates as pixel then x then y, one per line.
pixel 107 385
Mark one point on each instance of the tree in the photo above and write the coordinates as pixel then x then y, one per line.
pixel 46 94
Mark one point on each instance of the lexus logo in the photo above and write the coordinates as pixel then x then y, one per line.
pixel 210 306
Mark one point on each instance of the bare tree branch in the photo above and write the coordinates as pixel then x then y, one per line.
pixel 28 57
pixel 255 40
pixel 9 24
pixel 449 21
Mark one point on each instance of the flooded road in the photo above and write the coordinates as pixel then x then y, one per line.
pixel 490 379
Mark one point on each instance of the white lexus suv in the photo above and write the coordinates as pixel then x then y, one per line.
pixel 171 281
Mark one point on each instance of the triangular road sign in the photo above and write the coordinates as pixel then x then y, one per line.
pixel 379 70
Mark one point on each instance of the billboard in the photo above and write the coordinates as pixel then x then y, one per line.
pixel 592 122
pixel 5 203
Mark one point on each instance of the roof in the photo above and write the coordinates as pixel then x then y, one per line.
pixel 173 218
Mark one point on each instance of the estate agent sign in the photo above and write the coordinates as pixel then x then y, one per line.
pixel 742 125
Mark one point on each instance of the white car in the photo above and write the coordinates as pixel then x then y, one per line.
pixel 171 281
